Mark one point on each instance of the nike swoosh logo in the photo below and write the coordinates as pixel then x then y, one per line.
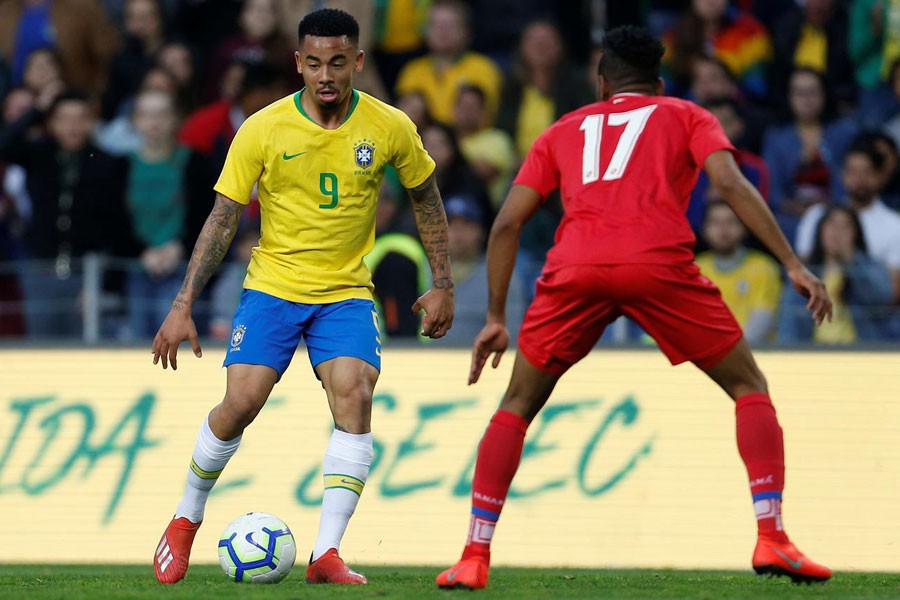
pixel 349 482
pixel 250 539
pixel 795 564
pixel 452 575
pixel 286 156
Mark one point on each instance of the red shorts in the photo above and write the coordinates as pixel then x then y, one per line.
pixel 680 308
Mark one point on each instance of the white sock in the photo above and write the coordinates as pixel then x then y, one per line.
pixel 346 467
pixel 210 456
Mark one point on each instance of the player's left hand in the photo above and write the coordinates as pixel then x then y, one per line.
pixel 438 306
pixel 811 287
pixel 492 339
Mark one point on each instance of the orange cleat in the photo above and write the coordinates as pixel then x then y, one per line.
pixel 330 568
pixel 774 558
pixel 467 574
pixel 174 550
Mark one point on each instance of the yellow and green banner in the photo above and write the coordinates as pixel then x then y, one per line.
pixel 632 463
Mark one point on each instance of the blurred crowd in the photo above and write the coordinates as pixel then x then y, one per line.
pixel 117 116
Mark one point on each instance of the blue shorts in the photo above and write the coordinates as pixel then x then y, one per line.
pixel 267 330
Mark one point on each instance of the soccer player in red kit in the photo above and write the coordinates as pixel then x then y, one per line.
pixel 625 167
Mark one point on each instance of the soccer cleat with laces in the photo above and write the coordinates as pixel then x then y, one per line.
pixel 174 550
pixel 774 557
pixel 330 568
pixel 469 573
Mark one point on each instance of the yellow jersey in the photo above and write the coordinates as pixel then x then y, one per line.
pixel 753 285
pixel 317 192
pixel 440 89
pixel 841 329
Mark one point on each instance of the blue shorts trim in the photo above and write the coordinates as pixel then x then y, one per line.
pixel 266 330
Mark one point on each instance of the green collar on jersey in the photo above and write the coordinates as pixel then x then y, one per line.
pixel 354 100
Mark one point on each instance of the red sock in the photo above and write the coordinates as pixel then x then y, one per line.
pixel 498 458
pixel 761 445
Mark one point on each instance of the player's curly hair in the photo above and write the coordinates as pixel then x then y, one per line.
pixel 630 55
pixel 329 22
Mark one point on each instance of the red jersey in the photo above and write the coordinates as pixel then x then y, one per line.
pixel 625 169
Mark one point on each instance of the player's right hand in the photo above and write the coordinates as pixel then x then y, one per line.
pixel 811 287
pixel 178 327
pixel 492 339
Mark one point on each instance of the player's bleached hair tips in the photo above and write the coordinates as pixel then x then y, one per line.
pixel 329 22
pixel 630 54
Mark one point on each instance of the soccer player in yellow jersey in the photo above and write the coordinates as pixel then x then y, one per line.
pixel 318 157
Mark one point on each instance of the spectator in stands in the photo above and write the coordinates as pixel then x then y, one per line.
pixel 804 156
pixel 42 69
pixel 467 253
pixel 712 80
pixel 145 32
pixel 415 105
pixel 119 135
pixel 859 285
pixel 880 224
pixel 177 58
pixel 399 36
pixel 77 194
pixel 498 26
pixel 157 207
pixel 449 63
pixel 874 45
pixel 712 27
pixel 260 40
pixel 78 30
pixel 454 175
pixel 751 165
pixel 750 281
pixel 368 80
pixel 232 79
pixel 890 171
pixel 814 36
pixel 488 150
pixel 542 86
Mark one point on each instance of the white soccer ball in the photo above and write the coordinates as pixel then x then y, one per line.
pixel 257 548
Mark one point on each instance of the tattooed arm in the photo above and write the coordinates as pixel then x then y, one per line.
pixel 211 247
pixel 432 225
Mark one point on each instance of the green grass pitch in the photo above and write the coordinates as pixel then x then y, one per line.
pixel 208 581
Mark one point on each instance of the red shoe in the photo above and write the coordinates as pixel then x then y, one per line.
pixel 330 568
pixel 774 557
pixel 469 573
pixel 174 550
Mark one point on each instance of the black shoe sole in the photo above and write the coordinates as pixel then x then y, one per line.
pixel 798 578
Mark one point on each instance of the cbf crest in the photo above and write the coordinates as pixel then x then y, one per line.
pixel 237 336
pixel 364 153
